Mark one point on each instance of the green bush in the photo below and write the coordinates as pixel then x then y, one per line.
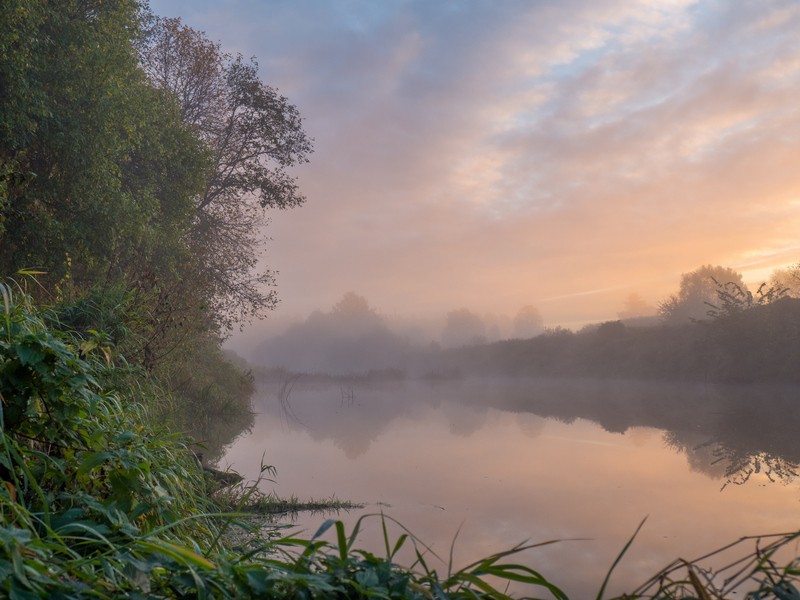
pixel 89 489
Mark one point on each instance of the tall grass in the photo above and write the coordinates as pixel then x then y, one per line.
pixel 751 567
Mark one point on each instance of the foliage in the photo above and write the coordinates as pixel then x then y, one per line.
pixel 756 573
pixel 101 175
pixel 122 180
pixel 787 280
pixel 254 135
pixel 136 162
pixel 89 490
pixel 94 503
pixel 758 344
pixel 733 298
pixel 248 497
pixel 135 206
pixel 77 119
pixel 697 290
pixel 210 396
pixel 350 338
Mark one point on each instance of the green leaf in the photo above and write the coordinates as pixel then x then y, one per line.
pixel 28 355
pixel 179 553
pixel 92 461
pixel 323 528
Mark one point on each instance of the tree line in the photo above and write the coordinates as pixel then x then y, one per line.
pixel 713 329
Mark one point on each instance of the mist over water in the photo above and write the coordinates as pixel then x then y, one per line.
pixel 512 459
pixel 504 430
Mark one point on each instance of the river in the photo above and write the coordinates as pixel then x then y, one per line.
pixel 498 462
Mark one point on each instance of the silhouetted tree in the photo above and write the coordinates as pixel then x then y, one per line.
pixel 787 280
pixel 353 315
pixel 351 338
pixel 698 294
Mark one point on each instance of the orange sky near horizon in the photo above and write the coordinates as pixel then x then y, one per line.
pixel 494 155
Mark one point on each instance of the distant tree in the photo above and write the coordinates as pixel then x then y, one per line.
pixel 528 322
pixel 353 314
pixel 699 294
pixel 611 330
pixel 787 280
pixel 636 306
pixel 733 299
pixel 350 338
pixel 462 328
pixel 352 304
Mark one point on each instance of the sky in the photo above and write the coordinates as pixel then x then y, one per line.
pixel 492 154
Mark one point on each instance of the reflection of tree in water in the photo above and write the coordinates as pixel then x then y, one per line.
pixel 350 412
pixel 728 432
pixel 530 425
pixel 286 384
pixel 740 466
pixel 639 436
pixel 736 464
pixel 464 420
pixel 699 451
pixel 214 429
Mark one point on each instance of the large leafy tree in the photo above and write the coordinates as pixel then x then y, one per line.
pixel 64 76
pixel 100 170
pixel 137 161
pixel 99 174
pixel 254 136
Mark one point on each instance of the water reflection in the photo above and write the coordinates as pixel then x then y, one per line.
pixel 728 432
pixel 513 460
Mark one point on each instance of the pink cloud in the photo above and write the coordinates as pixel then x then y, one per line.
pixel 497 155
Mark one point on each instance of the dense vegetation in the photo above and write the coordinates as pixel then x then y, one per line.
pixel 734 337
pixel 136 162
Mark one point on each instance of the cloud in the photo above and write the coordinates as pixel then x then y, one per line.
pixel 499 154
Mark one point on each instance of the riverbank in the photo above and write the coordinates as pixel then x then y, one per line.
pixel 99 500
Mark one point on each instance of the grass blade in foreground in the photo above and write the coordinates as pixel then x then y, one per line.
pixel 618 559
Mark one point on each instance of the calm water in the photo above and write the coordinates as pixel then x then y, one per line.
pixel 509 461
